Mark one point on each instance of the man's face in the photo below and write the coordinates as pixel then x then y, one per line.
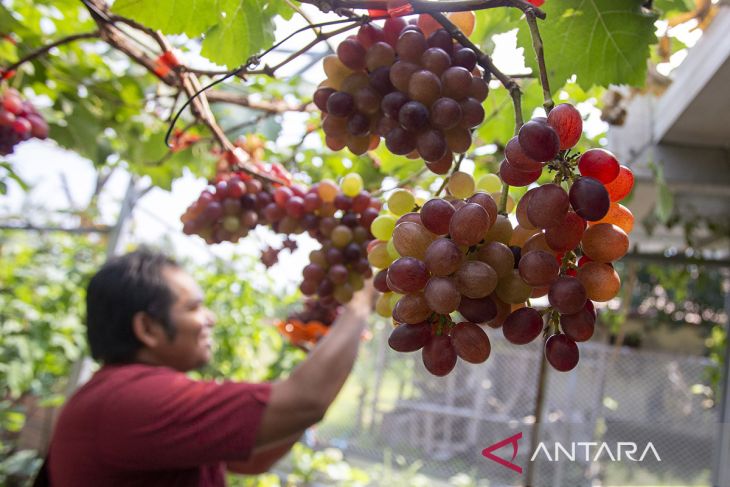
pixel 193 323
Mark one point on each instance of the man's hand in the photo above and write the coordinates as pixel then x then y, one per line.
pixel 301 400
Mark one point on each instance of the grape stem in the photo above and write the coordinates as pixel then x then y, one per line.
pixel 403 183
pixel 548 103
pixel 503 199
pixel 421 6
pixel 567 262
pixel 446 179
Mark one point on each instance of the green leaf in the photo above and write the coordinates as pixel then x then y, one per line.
pixel 602 42
pixel 245 29
pixel 499 122
pixel 191 17
pixel 234 29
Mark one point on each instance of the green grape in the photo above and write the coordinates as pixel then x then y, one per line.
pixel 461 185
pixel 352 184
pixel 382 305
pixel 379 257
pixel 341 235
pixel 343 293
pixel 356 281
pixel 392 251
pixel 394 298
pixel 401 201
pixel 489 183
pixel 382 227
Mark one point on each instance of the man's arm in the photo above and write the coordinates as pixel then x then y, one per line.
pixel 262 459
pixel 302 399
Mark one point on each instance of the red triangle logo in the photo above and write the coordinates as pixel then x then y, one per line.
pixel 487 452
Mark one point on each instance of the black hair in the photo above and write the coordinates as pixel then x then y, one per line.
pixel 124 286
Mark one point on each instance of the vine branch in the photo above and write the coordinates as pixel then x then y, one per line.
pixel 44 49
pixel 188 82
pixel 540 54
pixel 272 107
pixel 421 6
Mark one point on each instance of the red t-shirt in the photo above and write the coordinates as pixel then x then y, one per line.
pixel 141 425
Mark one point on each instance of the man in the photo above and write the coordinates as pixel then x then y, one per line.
pixel 141 421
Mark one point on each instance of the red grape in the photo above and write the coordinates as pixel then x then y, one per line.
pixel 548 206
pixel 514 177
pixel 539 141
pixel 589 198
pixel 352 54
pixel 439 355
pixel 579 326
pixel 561 352
pixel 567 123
pixel 599 164
pixel 620 187
pixel 478 310
pixel 442 295
pixel 522 326
pixel 469 224
pixel 443 257
pixel 566 235
pixel 409 338
pixel 470 342
pixel 538 268
pixel 407 275
pixel 436 215
pixel 518 159
pixel 567 295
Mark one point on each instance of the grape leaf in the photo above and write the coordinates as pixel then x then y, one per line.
pixel 191 17
pixel 602 42
pixel 499 121
pixel 245 28
pixel 234 29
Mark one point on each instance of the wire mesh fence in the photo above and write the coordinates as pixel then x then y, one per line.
pixel 597 420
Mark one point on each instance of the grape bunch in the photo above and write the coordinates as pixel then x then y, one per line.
pixel 457 254
pixel 409 83
pixel 339 217
pixel 444 258
pixel 228 210
pixel 19 121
